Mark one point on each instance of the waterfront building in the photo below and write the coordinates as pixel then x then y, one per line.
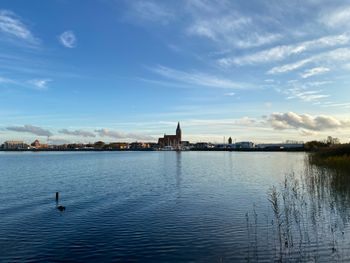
pixel 37 145
pixel 244 145
pixel 203 145
pixel 280 146
pixel 119 145
pixel 137 146
pixel 171 140
pixel 15 145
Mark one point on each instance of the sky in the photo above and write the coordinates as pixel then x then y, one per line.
pixel 115 70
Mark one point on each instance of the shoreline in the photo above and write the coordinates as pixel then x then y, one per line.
pixel 153 150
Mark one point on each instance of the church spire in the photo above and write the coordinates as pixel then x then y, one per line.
pixel 178 132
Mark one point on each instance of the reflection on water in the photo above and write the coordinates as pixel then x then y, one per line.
pixel 172 207
pixel 178 170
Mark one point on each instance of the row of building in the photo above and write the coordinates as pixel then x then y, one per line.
pixel 167 142
pixel 20 145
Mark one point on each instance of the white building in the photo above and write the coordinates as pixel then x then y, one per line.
pixel 15 145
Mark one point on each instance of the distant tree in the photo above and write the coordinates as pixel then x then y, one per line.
pixel 230 140
pixel 314 145
pixel 331 141
pixel 99 144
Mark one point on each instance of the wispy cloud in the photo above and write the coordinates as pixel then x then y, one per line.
pixel 339 17
pixel 289 67
pixel 153 11
pixel 284 51
pixel 12 26
pixel 196 78
pixel 40 84
pixel 6 80
pixel 305 94
pixel 68 39
pixel 81 133
pixel 122 135
pixel 291 120
pixel 314 71
pixel 216 21
pixel 329 104
pixel 30 129
pixel 333 56
pixel 227 29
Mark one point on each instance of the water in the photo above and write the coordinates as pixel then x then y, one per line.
pixel 169 207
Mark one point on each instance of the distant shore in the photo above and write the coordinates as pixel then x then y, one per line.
pixel 153 150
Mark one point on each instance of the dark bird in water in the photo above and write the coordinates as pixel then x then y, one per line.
pixel 61 207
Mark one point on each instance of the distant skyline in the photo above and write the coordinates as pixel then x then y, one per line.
pixel 119 70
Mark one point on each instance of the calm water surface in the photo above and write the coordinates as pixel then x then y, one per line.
pixel 170 207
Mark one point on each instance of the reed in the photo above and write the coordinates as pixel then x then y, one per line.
pixel 335 157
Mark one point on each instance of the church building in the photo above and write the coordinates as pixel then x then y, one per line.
pixel 171 140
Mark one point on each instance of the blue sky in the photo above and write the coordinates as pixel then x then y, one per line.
pixel 266 71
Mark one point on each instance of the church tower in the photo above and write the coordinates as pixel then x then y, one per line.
pixel 178 133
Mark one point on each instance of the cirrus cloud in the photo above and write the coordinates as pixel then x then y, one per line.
pixel 77 133
pixel 314 71
pixel 12 26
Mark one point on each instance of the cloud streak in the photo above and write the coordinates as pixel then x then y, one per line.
pixel 77 133
pixel 150 11
pixel 314 71
pixel 333 56
pixel 196 78
pixel 11 25
pixel 30 129
pixel 282 52
pixel 122 135
pixel 227 28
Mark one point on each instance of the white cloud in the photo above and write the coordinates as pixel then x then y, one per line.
pixel 307 133
pixel 77 133
pixel 68 39
pixel 289 67
pixel 30 129
pixel 333 56
pixel 11 25
pixel 314 71
pixel 246 121
pixel 217 21
pixel 291 120
pixel 40 84
pixel 230 94
pixel 282 52
pixel 337 18
pixel 329 104
pixel 151 11
pixel 304 94
pixel 196 78
pixel 231 30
